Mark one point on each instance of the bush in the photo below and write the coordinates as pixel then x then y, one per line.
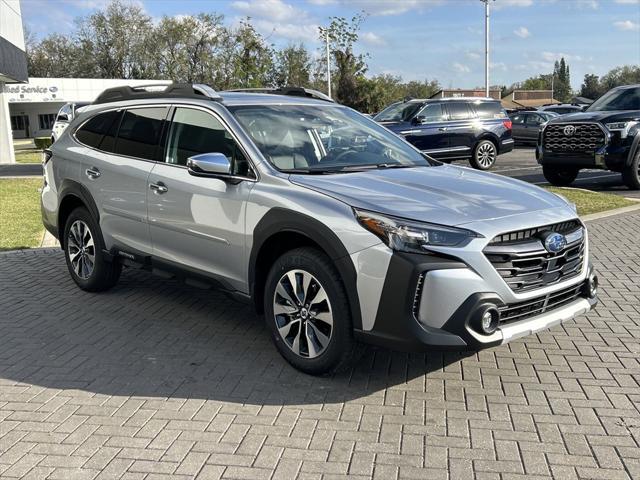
pixel 42 142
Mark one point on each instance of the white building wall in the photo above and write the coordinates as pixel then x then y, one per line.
pixel 11 22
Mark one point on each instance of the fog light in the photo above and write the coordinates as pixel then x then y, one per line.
pixel 592 285
pixel 488 321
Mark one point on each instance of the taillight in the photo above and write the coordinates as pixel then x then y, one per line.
pixel 46 156
pixel 507 123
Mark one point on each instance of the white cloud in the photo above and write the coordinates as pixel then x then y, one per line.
pixel 522 32
pixel 307 32
pixel 553 56
pixel 323 2
pixel 512 3
pixel 275 10
pixel 371 38
pixel 593 4
pixel 628 2
pixel 498 66
pixel 473 55
pixel 460 68
pixel 627 25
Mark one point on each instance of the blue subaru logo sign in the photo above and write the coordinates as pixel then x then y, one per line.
pixel 555 242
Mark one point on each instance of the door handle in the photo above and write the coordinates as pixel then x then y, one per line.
pixel 442 129
pixel 92 173
pixel 158 188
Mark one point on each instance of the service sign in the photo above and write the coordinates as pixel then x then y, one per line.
pixel 29 92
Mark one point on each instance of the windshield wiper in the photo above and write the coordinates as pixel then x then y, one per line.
pixel 375 166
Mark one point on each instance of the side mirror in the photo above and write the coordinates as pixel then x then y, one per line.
pixel 419 120
pixel 63 117
pixel 209 165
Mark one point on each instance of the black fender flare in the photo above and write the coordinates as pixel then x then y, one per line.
pixel 635 147
pixel 278 220
pixel 71 188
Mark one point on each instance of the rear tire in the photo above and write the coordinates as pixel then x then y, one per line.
pixel 84 252
pixel 484 155
pixel 560 176
pixel 307 312
pixel 631 173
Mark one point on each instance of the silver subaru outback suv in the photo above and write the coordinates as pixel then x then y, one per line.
pixel 334 228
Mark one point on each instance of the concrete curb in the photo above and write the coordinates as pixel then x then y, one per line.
pixel 611 213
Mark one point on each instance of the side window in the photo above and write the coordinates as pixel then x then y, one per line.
pixel 488 110
pixel 518 119
pixel 194 131
pixel 93 131
pixel 432 112
pixel 458 111
pixel 139 132
pixel 534 119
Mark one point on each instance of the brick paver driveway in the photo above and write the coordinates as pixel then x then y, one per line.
pixel 155 379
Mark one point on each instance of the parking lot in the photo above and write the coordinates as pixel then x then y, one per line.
pixel 158 380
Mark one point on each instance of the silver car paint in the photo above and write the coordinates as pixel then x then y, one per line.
pixel 201 225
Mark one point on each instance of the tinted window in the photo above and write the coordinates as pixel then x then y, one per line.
pixel 534 119
pixel 617 99
pixel 432 112
pixel 92 132
pixel 399 112
pixel 458 111
pixel 517 119
pixel 140 131
pixel 488 110
pixel 194 131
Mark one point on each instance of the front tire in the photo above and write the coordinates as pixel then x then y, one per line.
pixel 631 173
pixel 307 312
pixel 560 176
pixel 84 252
pixel 484 155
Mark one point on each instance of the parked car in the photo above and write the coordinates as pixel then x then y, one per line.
pixel 331 226
pixel 452 128
pixel 562 108
pixel 526 125
pixel 605 136
pixel 64 117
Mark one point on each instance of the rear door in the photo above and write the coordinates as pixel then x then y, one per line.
pixel 532 124
pixel 461 129
pixel 194 221
pixel 518 126
pixel 117 169
pixel 429 130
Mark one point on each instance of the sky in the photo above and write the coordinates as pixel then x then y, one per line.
pixel 421 39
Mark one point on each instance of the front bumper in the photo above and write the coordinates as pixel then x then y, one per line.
pixel 433 301
pixel 608 157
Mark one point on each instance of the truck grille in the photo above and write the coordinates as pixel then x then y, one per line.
pixel 524 264
pixel 515 312
pixel 573 137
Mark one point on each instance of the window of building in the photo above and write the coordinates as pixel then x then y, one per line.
pixel 46 120
pixel 194 132
pixel 139 132
pixel 18 122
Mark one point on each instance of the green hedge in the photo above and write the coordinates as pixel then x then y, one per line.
pixel 42 142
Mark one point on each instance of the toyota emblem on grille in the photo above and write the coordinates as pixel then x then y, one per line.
pixel 569 130
pixel 554 242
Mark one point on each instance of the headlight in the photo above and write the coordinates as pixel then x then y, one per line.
pixel 409 236
pixel 625 128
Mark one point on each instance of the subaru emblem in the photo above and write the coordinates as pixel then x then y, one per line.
pixel 554 242
pixel 569 130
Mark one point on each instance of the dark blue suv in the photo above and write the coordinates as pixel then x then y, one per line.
pixel 448 129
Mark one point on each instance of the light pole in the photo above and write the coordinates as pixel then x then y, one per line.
pixel 328 64
pixel 486 46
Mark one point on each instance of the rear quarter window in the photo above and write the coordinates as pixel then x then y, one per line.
pixel 489 110
pixel 92 132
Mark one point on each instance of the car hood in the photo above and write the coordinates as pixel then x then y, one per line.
pixel 619 116
pixel 442 194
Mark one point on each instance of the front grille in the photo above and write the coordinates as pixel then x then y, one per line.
pixel 587 137
pixel 524 264
pixel 515 312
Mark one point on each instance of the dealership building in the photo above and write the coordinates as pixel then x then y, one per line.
pixel 33 105
pixel 13 68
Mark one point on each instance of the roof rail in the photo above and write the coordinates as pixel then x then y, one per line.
pixel 157 90
pixel 290 91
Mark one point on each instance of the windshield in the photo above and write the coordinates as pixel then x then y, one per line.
pixel 617 99
pixel 398 112
pixel 323 139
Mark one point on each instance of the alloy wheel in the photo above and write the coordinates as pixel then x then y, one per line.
pixel 81 249
pixel 303 313
pixel 486 154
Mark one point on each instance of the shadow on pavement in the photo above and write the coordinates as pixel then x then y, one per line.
pixel 156 338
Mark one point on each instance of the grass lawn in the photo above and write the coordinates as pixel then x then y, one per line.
pixel 20 221
pixel 592 202
pixel 28 156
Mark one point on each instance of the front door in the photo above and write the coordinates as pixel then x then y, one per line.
pixel 429 130
pixel 532 124
pixel 195 221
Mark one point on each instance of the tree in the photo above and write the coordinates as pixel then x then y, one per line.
pixel 292 67
pixel 348 67
pixel 590 87
pixel 562 81
pixel 250 56
pixel 624 75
